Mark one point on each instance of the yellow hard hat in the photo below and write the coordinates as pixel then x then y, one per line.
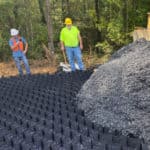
pixel 68 21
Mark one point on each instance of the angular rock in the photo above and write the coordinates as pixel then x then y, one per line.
pixel 117 95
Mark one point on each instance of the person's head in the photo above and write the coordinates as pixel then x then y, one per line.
pixel 68 22
pixel 14 32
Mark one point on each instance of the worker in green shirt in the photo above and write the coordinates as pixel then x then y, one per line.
pixel 71 41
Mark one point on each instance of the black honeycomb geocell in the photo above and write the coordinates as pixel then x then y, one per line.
pixel 39 112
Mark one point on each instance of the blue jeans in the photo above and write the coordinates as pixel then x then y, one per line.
pixel 74 54
pixel 18 64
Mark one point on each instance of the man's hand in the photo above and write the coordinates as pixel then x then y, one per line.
pixel 80 41
pixel 15 45
pixel 17 42
pixel 81 46
pixel 25 51
pixel 62 48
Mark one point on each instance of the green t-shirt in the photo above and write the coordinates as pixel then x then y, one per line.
pixel 70 36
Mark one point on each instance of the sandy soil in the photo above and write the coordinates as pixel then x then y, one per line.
pixel 36 66
pixel 44 66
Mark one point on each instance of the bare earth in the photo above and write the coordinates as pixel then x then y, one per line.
pixel 36 66
pixel 44 66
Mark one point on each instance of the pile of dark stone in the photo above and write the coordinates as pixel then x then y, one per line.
pixel 117 95
pixel 39 112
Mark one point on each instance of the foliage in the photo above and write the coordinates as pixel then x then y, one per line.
pixel 104 48
pixel 104 25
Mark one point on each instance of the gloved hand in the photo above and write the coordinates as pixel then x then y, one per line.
pixel 17 42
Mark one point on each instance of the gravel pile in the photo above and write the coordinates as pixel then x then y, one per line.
pixel 117 95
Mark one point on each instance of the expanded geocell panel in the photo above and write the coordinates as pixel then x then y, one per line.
pixel 39 112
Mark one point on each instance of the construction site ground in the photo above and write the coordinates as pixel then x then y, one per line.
pixel 44 66
pixel 36 66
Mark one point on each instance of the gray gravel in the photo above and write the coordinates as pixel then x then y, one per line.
pixel 117 95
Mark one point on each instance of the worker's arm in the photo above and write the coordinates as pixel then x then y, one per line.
pixel 80 41
pixel 26 48
pixel 62 45
pixel 25 45
pixel 62 40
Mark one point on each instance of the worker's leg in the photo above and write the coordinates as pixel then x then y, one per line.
pixel 18 65
pixel 70 56
pixel 26 64
pixel 78 57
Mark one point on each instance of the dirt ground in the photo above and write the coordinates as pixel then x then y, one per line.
pixel 36 66
pixel 43 66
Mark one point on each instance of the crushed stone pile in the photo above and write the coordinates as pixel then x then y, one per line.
pixel 117 95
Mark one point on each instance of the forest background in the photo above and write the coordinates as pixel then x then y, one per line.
pixel 105 25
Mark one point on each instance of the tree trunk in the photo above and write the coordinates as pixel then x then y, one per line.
pixel 49 27
pixel 97 10
pixel 50 33
pixel 62 10
pixel 68 7
pixel 41 11
pixel 125 15
pixel 134 11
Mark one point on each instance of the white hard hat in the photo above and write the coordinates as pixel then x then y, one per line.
pixel 14 32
